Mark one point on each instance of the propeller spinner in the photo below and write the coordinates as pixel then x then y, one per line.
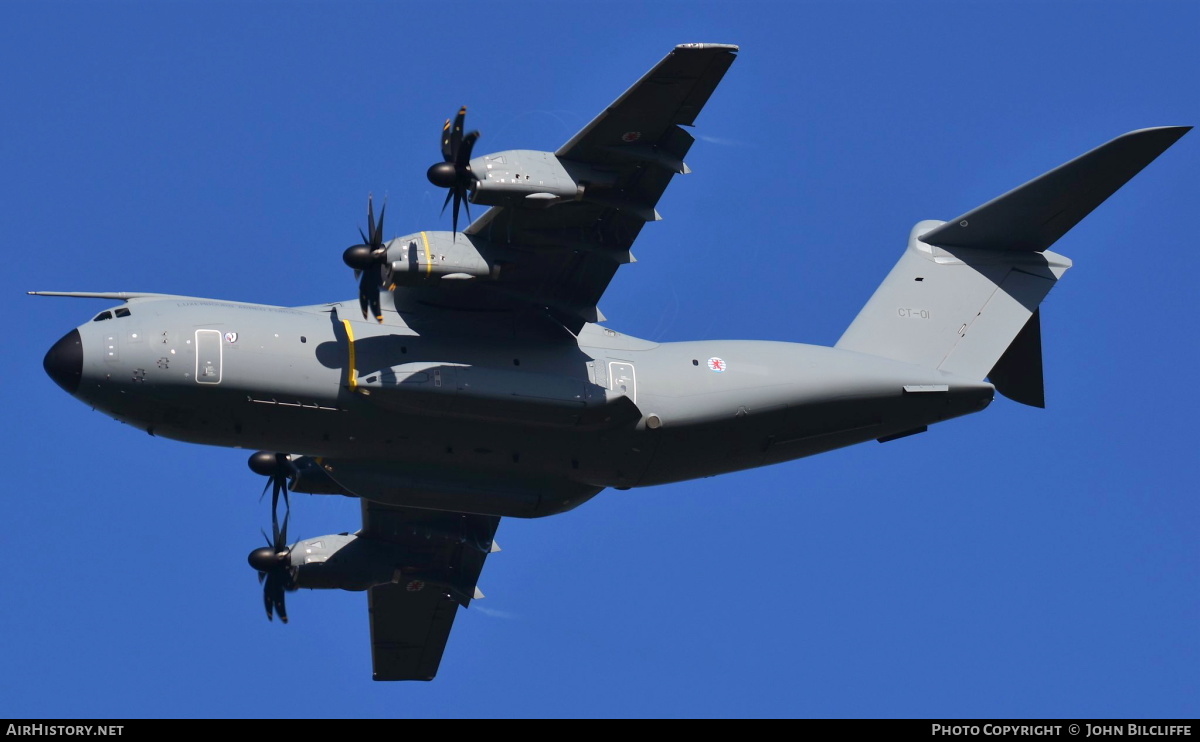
pixel 454 172
pixel 368 261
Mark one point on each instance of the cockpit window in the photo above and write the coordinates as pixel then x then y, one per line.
pixel 103 316
pixel 121 312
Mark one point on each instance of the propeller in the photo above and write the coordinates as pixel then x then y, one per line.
pixel 454 172
pixel 367 260
pixel 279 468
pixel 274 566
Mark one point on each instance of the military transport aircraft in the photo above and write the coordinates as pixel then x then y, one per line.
pixel 473 378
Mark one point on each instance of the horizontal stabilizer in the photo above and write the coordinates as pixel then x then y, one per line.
pixel 1033 216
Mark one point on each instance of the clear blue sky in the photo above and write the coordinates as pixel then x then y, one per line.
pixel 1021 562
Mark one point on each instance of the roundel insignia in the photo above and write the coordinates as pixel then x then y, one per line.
pixel 415 586
pixel 631 136
pixel 717 364
pixel 231 337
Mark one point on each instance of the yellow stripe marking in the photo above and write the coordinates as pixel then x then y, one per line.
pixel 428 257
pixel 352 371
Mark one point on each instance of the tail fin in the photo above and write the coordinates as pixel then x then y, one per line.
pixel 956 309
pixel 966 290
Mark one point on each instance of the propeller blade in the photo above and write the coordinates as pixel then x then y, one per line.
pixel 466 179
pixel 279 483
pixel 457 201
pixel 282 545
pixel 273 593
pixel 267 601
pixel 375 308
pixel 370 219
pixel 283 484
pixel 368 294
pixel 283 465
pixel 377 235
pixel 463 158
pixel 363 291
pixel 456 134
pixel 447 153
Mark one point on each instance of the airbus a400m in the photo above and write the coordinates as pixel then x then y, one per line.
pixel 488 341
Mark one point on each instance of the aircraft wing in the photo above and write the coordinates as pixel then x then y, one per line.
pixel 564 256
pixel 411 618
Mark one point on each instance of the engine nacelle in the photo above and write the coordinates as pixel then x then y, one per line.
pixel 347 562
pixel 340 561
pixel 534 179
pixel 424 256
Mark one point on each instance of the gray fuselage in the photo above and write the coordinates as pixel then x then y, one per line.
pixel 437 412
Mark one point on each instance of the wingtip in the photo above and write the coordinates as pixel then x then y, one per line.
pixel 1171 132
pixel 1159 138
pixel 725 47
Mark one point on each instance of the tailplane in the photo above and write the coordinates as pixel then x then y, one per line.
pixel 964 296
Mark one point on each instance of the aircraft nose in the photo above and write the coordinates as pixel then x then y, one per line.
pixel 64 361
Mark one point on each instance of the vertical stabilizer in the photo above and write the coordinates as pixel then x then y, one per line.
pixel 955 309
pixel 966 290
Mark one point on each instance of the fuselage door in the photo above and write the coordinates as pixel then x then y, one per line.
pixel 208 356
pixel 623 379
